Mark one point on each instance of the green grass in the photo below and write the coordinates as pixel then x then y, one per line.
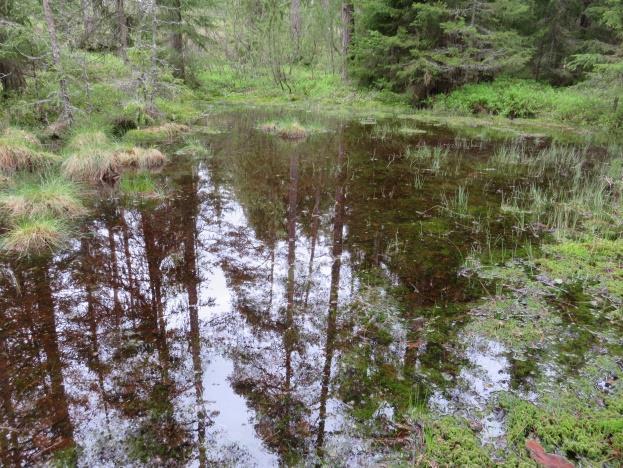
pixel 194 148
pixel 36 235
pixel 515 98
pixel 305 88
pixel 49 195
pixel 140 184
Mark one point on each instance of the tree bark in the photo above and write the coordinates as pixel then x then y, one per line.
pixel 122 30
pixel 348 23
pixel 56 58
pixel 87 21
pixel 295 25
pixel 177 40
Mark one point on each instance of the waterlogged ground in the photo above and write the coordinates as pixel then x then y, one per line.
pixel 281 302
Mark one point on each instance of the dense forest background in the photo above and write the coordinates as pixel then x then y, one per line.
pixel 60 59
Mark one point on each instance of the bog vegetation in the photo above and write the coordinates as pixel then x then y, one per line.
pixel 94 93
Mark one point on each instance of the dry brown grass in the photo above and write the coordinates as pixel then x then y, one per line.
pixel 22 151
pixel 141 158
pixel 92 164
pixel 285 130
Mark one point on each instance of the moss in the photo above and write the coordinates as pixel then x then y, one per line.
pixel 448 441
pixel 598 264
pixel 577 420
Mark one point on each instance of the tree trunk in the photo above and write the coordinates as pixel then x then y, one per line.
pixel 153 74
pixel 348 23
pixel 56 58
pixel 177 41
pixel 87 21
pixel 122 30
pixel 11 77
pixel 295 25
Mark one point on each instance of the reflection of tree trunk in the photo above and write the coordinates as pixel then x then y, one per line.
pixel 314 238
pixel 114 273
pixel 128 264
pixel 289 322
pixel 338 232
pixel 61 423
pixel 56 58
pixel 88 278
pixel 191 280
pixel 155 286
pixel 9 448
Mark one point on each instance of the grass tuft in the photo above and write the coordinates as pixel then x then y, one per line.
pixel 163 133
pixel 51 195
pixel 22 151
pixel 35 236
pixel 141 158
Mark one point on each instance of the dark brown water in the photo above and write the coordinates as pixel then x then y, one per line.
pixel 281 302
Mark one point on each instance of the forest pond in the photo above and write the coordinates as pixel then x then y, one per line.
pixel 272 302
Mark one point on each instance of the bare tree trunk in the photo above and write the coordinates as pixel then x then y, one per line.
pixel 122 30
pixel 295 25
pixel 348 21
pixel 56 58
pixel 177 41
pixel 87 21
pixel 153 74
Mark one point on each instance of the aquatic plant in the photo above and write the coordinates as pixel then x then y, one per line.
pixel 141 158
pixel 288 130
pixel 458 204
pixel 139 184
pixel 163 133
pixel 195 148
pixel 35 235
pixel 49 195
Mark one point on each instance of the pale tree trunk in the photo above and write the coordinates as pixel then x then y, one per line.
pixel 153 74
pixel 87 20
pixel 295 25
pixel 348 20
pixel 122 30
pixel 56 58
pixel 177 40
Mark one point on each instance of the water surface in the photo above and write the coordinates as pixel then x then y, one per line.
pixel 282 301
